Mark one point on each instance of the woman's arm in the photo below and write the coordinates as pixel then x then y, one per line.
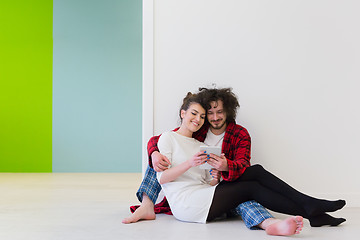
pixel 152 147
pixel 214 182
pixel 174 172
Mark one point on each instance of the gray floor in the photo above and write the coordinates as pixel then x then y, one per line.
pixel 91 206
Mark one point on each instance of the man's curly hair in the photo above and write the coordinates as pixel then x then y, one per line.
pixel 226 95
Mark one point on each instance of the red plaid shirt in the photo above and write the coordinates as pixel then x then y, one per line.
pixel 236 146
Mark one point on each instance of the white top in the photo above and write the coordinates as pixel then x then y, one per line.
pixel 214 140
pixel 189 196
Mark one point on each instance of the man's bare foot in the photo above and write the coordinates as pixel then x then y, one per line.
pixel 287 227
pixel 141 213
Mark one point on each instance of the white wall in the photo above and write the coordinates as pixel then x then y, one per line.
pixel 295 68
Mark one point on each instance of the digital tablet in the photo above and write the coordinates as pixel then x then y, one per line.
pixel 210 149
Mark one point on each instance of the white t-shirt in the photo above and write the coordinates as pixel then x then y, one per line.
pixel 189 196
pixel 214 140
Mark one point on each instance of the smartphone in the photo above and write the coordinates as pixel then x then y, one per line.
pixel 209 149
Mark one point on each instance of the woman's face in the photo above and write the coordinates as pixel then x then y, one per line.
pixel 193 118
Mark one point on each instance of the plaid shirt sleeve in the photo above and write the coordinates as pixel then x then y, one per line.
pixel 152 147
pixel 237 147
pixel 200 135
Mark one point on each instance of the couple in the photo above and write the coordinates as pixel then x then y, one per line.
pixel 209 116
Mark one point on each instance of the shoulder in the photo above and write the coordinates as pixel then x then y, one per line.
pixel 237 130
pixel 201 133
pixel 166 142
pixel 166 135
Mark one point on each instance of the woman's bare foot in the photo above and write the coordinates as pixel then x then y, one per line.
pixel 144 212
pixel 286 227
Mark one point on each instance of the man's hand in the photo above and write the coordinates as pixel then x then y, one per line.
pixel 219 163
pixel 160 162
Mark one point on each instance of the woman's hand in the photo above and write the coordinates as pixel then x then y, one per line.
pixel 174 172
pixel 198 159
pixel 216 174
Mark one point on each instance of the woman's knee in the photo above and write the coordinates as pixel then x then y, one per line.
pixel 258 166
pixel 255 169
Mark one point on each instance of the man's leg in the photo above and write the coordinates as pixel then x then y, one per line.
pixel 289 226
pixel 149 186
pixel 252 213
pixel 147 194
pixel 255 216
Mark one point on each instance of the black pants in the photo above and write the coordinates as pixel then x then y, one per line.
pixel 260 185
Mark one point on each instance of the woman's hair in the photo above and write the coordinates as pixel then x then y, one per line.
pixel 226 95
pixel 190 99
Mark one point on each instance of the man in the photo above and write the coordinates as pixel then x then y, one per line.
pixel 220 130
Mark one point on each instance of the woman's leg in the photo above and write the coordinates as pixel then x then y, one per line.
pixel 325 219
pixel 311 205
pixel 230 194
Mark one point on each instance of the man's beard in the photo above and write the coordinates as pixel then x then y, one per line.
pixel 218 126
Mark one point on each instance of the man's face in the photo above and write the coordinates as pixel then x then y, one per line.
pixel 216 115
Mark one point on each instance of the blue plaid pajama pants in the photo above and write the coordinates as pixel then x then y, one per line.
pixel 251 212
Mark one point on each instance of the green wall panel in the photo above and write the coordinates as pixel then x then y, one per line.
pixel 26 86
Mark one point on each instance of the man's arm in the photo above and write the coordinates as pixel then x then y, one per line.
pixel 157 161
pixel 240 155
pixel 236 146
pixel 152 147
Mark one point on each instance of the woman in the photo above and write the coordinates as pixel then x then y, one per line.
pixel 192 194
